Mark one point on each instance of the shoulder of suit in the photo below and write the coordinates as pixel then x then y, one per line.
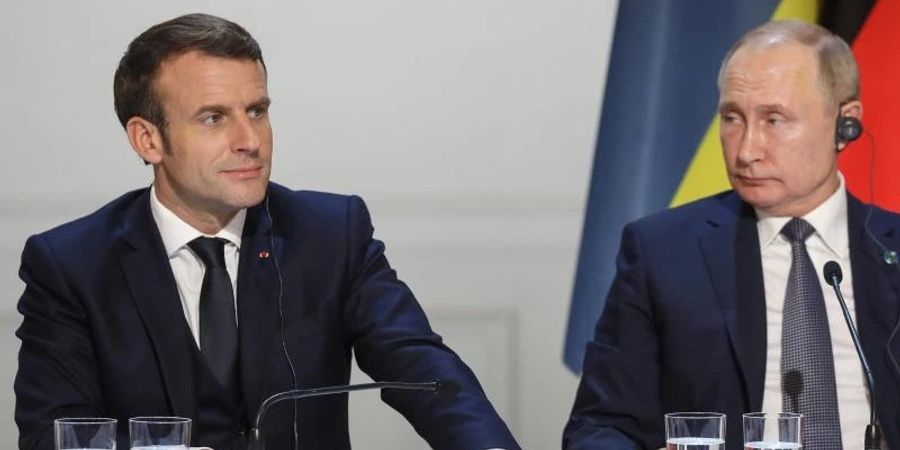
pixel 881 220
pixel 311 204
pixel 279 193
pixel 695 215
pixel 100 224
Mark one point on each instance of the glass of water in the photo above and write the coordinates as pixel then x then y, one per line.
pixel 695 431
pixel 85 433
pixel 772 430
pixel 160 433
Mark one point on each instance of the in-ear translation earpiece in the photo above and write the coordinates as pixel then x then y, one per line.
pixel 847 129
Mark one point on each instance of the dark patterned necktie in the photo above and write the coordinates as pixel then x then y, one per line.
pixel 807 361
pixel 218 327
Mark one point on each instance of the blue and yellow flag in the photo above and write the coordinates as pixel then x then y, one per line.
pixel 658 142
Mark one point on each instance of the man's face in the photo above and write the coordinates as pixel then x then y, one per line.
pixel 219 151
pixel 777 130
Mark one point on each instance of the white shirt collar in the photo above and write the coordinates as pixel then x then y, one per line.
pixel 829 220
pixel 176 233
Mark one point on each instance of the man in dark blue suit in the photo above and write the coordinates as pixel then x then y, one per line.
pixel 695 319
pixel 214 289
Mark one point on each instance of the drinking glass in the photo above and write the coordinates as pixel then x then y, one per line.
pixel 772 431
pixel 160 433
pixel 85 433
pixel 695 431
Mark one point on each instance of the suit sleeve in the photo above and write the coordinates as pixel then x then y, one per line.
pixel 393 341
pixel 618 399
pixel 57 376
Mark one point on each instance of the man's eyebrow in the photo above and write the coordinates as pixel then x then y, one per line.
pixel 728 107
pixel 773 107
pixel 767 108
pixel 262 102
pixel 212 108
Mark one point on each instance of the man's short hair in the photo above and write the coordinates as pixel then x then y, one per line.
pixel 838 74
pixel 133 83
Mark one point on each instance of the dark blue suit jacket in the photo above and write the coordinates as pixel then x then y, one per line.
pixel 104 333
pixel 684 327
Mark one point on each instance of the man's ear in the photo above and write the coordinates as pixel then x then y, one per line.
pixel 850 109
pixel 146 139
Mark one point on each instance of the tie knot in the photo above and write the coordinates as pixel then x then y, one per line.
pixel 210 250
pixel 797 230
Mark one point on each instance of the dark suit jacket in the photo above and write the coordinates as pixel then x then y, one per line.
pixel 104 333
pixel 684 327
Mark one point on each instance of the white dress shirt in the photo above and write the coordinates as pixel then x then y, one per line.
pixel 186 265
pixel 829 242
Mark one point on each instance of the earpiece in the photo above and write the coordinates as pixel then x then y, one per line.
pixel 847 129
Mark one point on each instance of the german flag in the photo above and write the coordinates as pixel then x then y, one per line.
pixel 658 144
pixel 870 164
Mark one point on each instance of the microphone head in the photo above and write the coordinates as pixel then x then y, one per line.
pixel 448 388
pixel 832 272
pixel 792 383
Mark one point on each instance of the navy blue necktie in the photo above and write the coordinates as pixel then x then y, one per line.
pixel 218 326
pixel 807 361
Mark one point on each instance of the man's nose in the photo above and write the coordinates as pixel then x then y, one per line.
pixel 752 147
pixel 246 136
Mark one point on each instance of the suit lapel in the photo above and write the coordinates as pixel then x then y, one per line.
pixel 258 289
pixel 149 278
pixel 731 250
pixel 875 290
pixel 152 285
pixel 869 266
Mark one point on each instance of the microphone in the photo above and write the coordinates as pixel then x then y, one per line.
pixel 833 277
pixel 444 388
pixel 792 385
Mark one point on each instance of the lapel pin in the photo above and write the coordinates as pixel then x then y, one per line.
pixel 263 254
pixel 890 257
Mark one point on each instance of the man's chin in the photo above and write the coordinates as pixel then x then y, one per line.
pixel 760 198
pixel 248 198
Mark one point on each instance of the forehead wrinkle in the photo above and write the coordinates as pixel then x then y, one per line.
pixel 773 74
pixel 210 84
pixel 216 85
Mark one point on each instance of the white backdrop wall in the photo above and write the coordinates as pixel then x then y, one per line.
pixel 467 125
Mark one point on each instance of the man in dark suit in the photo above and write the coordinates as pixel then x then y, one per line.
pixel 214 289
pixel 702 315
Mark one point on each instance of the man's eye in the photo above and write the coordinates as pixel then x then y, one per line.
pixel 257 112
pixel 730 118
pixel 212 119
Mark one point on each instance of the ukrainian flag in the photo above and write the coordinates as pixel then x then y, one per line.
pixel 658 143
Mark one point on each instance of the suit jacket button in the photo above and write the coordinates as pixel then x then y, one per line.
pixel 241 431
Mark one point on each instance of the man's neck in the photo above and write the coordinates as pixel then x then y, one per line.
pixel 206 222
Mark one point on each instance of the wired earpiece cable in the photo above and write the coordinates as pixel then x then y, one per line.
pixel 284 350
pixel 890 256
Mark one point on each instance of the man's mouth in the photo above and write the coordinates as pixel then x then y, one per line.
pixel 244 172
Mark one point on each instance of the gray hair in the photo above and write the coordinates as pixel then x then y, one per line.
pixel 838 74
